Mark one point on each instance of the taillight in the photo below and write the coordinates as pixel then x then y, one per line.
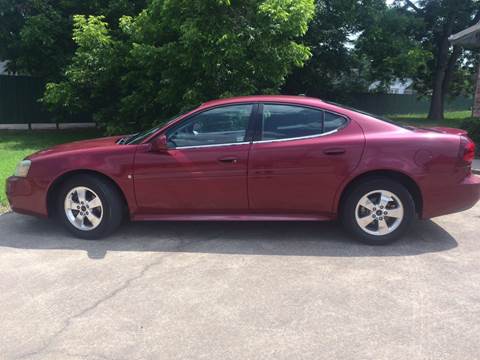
pixel 467 150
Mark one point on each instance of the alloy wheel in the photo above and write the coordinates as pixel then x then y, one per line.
pixel 379 212
pixel 83 208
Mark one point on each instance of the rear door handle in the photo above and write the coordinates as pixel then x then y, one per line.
pixel 334 151
pixel 264 172
pixel 230 160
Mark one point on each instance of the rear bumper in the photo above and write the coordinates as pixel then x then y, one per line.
pixel 452 198
pixel 26 197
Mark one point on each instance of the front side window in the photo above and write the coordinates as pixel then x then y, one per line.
pixel 289 121
pixel 223 125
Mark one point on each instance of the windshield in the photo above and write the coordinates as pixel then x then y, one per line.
pixel 139 137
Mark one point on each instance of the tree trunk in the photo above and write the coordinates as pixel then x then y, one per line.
pixel 449 74
pixel 441 80
pixel 457 51
pixel 436 102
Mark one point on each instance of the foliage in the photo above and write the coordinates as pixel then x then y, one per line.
pixel 449 70
pixel 355 43
pixel 133 62
pixel 473 128
pixel 332 67
pixel 464 75
pixel 93 85
pixel 36 35
pixel 388 45
pixel 441 19
pixel 175 54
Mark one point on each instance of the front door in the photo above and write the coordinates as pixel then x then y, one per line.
pixel 300 159
pixel 205 169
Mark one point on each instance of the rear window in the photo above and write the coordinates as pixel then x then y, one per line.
pixel 378 117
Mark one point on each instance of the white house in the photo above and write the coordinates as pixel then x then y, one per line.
pixel 397 86
pixel 3 67
pixel 470 38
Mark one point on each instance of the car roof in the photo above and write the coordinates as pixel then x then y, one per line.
pixel 360 116
pixel 301 100
pixel 287 99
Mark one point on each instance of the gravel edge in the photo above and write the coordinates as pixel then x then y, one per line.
pixel 4 210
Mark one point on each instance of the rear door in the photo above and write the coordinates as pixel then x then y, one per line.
pixel 299 159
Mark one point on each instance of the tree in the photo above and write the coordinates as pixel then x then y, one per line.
pixel 388 46
pixel 355 43
pixel 449 67
pixel 330 66
pixel 176 54
pixel 36 35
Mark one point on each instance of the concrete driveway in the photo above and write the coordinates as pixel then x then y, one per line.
pixel 239 291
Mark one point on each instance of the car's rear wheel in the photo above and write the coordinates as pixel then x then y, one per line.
pixel 378 210
pixel 89 206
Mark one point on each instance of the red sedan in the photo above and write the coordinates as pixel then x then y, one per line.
pixel 255 158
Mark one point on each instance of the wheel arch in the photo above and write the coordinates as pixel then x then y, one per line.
pixel 57 183
pixel 398 176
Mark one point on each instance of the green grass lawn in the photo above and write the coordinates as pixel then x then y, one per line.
pixel 452 119
pixel 15 145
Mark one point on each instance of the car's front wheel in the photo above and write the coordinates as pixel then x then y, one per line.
pixel 89 206
pixel 378 210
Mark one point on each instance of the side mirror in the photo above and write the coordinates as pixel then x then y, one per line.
pixel 159 144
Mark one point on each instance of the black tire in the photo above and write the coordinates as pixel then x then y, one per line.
pixel 113 206
pixel 355 194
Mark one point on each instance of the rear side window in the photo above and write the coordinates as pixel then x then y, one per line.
pixel 286 121
pixel 333 122
pixel 289 121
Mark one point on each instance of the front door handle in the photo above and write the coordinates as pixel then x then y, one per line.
pixel 230 160
pixel 264 172
pixel 334 151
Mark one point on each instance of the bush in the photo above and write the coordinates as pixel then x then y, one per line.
pixel 473 127
pixel 176 54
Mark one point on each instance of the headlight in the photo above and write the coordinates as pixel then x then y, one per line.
pixel 22 168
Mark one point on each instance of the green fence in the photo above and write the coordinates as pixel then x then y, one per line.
pixel 19 102
pixel 390 104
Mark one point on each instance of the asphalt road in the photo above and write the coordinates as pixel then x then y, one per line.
pixel 239 291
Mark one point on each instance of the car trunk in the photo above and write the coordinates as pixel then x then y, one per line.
pixel 446 130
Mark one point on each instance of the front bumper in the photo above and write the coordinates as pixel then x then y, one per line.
pixel 452 198
pixel 26 197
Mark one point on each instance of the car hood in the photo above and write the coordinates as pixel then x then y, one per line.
pixel 77 145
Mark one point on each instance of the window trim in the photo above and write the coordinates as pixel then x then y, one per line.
pixel 296 138
pixel 258 133
pixel 248 131
pixel 208 145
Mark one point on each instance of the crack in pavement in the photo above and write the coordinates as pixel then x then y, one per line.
pixel 102 300
pixel 81 356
